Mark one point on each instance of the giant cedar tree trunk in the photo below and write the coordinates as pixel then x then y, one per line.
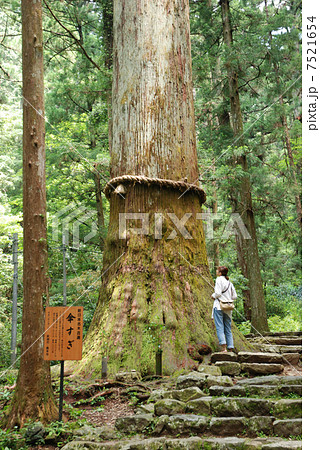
pixel 33 397
pixel 150 281
pixel 243 202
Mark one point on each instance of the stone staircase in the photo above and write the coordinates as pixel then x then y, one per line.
pixel 233 401
pixel 287 344
pixel 254 413
pixel 205 411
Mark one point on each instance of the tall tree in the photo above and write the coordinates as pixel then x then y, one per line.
pixel 157 284
pixel 272 185
pixel 33 397
pixel 247 248
pixel 284 123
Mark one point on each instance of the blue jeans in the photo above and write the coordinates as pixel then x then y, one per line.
pixel 223 327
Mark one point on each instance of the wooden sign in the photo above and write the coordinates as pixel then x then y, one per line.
pixel 63 333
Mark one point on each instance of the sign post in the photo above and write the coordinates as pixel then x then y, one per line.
pixel 64 304
pixel 63 332
pixel 63 338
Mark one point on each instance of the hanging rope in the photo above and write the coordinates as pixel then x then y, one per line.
pixel 141 179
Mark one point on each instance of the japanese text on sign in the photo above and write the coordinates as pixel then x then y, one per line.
pixel 63 333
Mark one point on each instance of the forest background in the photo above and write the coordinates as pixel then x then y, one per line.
pixel 78 73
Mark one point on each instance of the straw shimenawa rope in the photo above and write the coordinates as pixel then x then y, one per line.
pixel 141 179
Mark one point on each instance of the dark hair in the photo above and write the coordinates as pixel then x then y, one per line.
pixel 224 271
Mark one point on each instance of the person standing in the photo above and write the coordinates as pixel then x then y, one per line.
pixel 223 290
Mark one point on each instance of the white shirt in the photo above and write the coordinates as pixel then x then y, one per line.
pixel 230 294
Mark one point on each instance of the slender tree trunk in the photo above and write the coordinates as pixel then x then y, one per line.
pixel 249 247
pixel 216 248
pixel 158 285
pixel 291 162
pixel 33 397
pixel 107 20
pixel 286 133
pixel 224 123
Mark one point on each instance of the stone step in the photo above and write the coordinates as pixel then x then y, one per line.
pixel 287 427
pixel 218 426
pixel 274 348
pixel 287 409
pixel 259 357
pixel 264 386
pixel 241 390
pixel 231 368
pixel 253 389
pixel 275 333
pixel 239 406
pixel 229 425
pixel 291 358
pixel 228 363
pixel 235 407
pixel 183 395
pixel 285 340
pixel 261 368
pixel 291 389
pixel 242 406
pixel 202 380
pixel 190 443
pixel 279 340
pixel 220 356
pixel 272 380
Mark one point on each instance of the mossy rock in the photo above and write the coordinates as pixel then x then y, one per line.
pixel 228 367
pixel 96 434
pixel 237 407
pixel 210 370
pixel 186 424
pixel 200 406
pixel 287 409
pixel 169 407
pixel 134 424
pixel 288 427
pixel 185 395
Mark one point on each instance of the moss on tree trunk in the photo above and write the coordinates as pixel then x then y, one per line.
pixel 156 289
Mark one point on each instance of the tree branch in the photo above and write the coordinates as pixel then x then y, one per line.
pixel 4 71
pixel 72 36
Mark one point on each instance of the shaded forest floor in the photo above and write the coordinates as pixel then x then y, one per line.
pixel 100 403
pixel 97 404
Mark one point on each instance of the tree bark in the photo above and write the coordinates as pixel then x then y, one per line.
pixel 107 20
pixel 99 205
pixel 243 202
pixel 214 206
pixel 33 397
pixel 157 287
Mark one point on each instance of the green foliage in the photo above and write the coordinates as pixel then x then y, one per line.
pixel 9 224
pixel 266 56
pixel 282 300
pixel 12 440
pixel 284 309
pixel 244 327
pixel 290 323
